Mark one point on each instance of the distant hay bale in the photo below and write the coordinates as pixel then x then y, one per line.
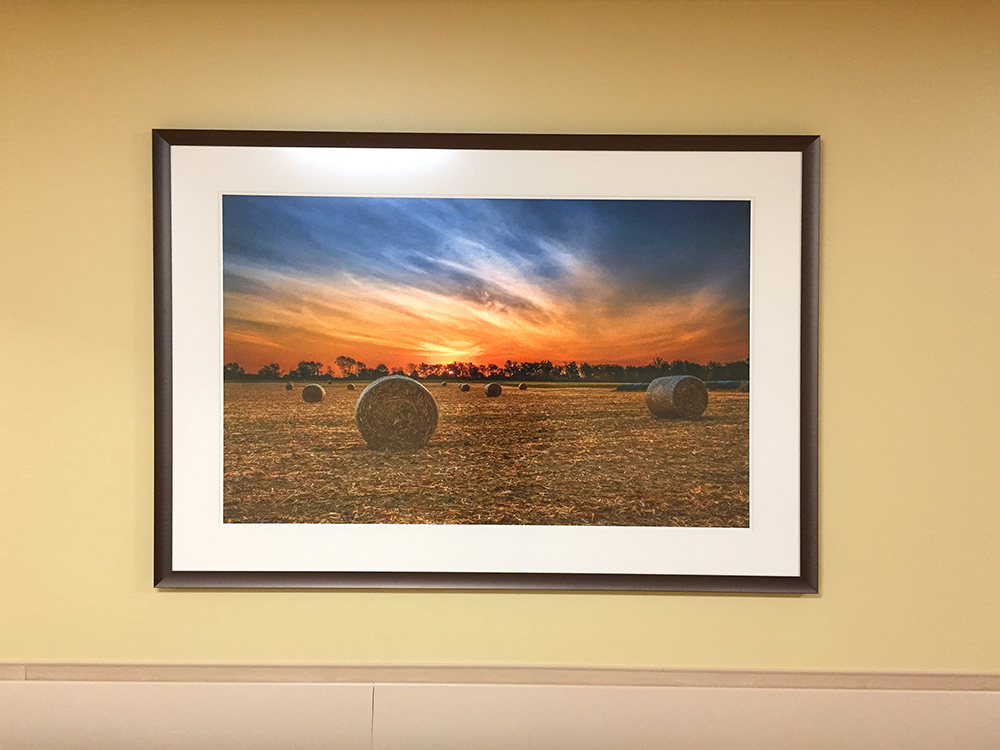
pixel 682 396
pixel 744 386
pixel 632 386
pixel 350 386
pixel 288 386
pixel 313 393
pixel 464 387
pixel 444 383
pixel 522 386
pixel 396 412
pixel 492 389
pixel 330 381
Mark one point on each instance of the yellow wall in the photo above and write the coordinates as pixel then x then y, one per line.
pixel 907 98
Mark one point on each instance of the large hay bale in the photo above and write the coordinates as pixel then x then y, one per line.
pixel 464 387
pixel 682 396
pixel 350 386
pixel 288 386
pixel 396 412
pixel 492 390
pixel 522 386
pixel 313 393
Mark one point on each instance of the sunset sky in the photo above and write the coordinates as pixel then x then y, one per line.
pixel 399 280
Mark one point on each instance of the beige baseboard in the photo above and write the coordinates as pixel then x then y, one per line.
pixel 359 707
pixel 497 675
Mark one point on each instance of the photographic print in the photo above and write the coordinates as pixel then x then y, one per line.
pixel 530 329
pixel 503 361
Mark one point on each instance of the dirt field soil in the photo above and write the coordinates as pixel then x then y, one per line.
pixel 544 456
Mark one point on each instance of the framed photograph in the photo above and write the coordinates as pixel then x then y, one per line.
pixel 390 360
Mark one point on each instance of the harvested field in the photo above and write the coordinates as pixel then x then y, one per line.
pixel 544 456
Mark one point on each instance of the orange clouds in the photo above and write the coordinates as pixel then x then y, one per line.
pixel 380 322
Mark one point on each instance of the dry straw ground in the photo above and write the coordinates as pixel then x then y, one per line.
pixel 553 456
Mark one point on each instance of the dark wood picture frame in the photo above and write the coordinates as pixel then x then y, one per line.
pixel 168 573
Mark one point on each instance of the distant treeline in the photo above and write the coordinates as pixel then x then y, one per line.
pixel 351 369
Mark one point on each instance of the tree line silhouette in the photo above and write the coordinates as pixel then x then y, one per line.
pixel 351 369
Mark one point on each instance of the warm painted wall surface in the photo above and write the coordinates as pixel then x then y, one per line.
pixel 907 98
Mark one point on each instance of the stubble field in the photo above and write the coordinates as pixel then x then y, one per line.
pixel 544 456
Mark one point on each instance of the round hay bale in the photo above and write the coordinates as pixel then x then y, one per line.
pixel 464 387
pixel 522 386
pixel 396 412
pixel 350 386
pixel 288 386
pixel 492 390
pixel 444 383
pixel 682 396
pixel 313 393
pixel 744 386
pixel 631 387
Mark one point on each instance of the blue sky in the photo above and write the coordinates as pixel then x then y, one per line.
pixel 398 280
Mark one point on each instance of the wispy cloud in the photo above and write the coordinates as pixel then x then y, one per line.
pixel 401 280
